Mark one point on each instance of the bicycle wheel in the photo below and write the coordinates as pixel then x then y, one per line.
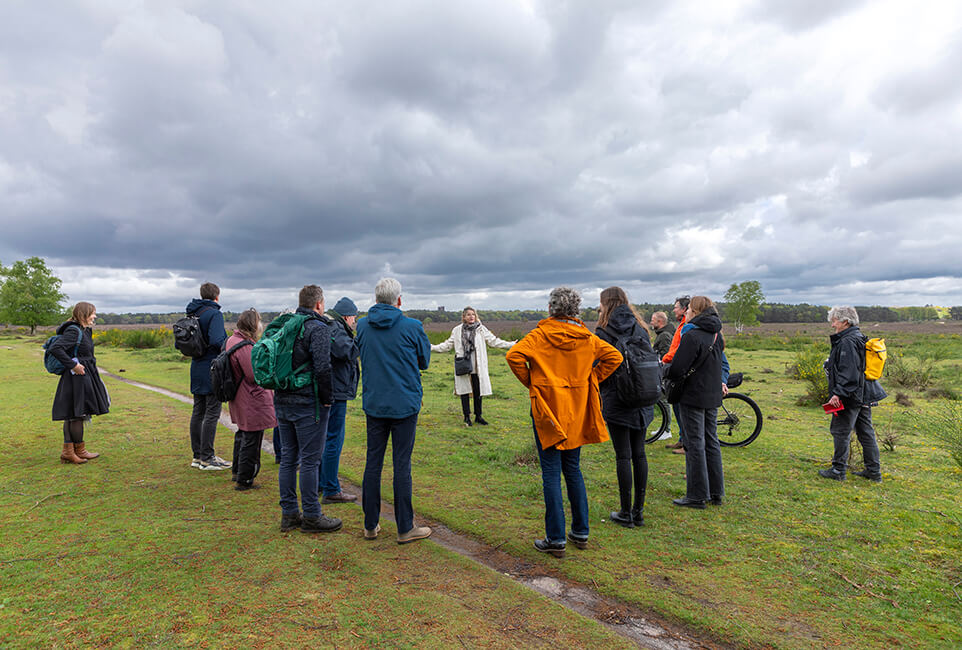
pixel 660 423
pixel 739 420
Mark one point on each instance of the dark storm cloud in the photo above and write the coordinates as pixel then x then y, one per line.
pixel 485 149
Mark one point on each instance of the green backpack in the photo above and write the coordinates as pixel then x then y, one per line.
pixel 273 356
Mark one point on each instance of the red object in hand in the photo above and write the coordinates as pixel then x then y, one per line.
pixel 833 409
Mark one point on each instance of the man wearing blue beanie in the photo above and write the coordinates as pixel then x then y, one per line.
pixel 346 372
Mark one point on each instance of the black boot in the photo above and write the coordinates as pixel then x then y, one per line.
pixel 290 522
pixel 638 516
pixel 622 518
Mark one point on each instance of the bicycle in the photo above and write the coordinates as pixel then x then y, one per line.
pixel 739 418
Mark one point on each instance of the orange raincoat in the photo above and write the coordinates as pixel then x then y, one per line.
pixel 561 363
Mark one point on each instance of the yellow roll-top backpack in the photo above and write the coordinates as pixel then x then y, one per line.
pixel 875 356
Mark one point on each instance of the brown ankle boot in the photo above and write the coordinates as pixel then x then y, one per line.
pixel 68 455
pixel 81 450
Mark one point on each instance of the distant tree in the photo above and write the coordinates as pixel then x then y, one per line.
pixel 956 313
pixel 30 294
pixel 742 303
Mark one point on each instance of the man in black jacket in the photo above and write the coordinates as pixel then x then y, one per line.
pixel 206 413
pixel 664 332
pixel 302 420
pixel 346 371
pixel 850 390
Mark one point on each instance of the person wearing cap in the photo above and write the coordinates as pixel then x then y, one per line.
pixel 346 372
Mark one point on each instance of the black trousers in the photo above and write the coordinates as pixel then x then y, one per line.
pixel 203 426
pixel 466 398
pixel 631 465
pixel 246 462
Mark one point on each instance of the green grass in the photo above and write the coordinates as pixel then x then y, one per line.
pixel 774 566
pixel 135 549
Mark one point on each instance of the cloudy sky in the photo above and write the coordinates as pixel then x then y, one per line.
pixel 483 151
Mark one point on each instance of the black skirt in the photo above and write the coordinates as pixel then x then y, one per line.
pixel 81 396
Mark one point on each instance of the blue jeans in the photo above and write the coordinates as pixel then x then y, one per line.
pixel 301 436
pixel 703 459
pixel 277 444
pixel 676 409
pixel 331 458
pixel 554 463
pixel 401 432
pixel 860 418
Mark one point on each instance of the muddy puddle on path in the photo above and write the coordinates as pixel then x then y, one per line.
pixel 643 628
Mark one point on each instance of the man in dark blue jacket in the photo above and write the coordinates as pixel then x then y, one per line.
pixel 856 395
pixel 394 350
pixel 346 372
pixel 302 420
pixel 203 420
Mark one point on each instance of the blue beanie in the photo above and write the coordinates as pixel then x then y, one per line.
pixel 346 307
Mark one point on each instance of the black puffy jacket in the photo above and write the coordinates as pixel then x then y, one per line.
pixel 623 323
pixel 703 388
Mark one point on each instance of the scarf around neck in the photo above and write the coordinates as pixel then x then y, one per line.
pixel 467 336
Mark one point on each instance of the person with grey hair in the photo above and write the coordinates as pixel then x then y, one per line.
pixel 561 363
pixel 394 350
pixel 850 390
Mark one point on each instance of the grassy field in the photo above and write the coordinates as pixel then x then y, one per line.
pixel 790 560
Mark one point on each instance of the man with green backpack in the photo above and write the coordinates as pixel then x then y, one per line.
pixel 293 358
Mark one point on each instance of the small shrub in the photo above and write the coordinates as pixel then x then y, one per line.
pixel 902 399
pixel 944 423
pixel 910 372
pixel 140 339
pixel 941 392
pixel 808 367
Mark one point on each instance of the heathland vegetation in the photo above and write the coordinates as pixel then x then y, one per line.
pixel 138 549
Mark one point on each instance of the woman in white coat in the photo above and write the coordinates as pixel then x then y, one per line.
pixel 470 340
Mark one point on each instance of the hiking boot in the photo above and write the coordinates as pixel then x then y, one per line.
pixel 480 420
pixel 638 516
pixel 211 466
pixel 195 463
pixel 322 524
pixel 372 534
pixel 716 500
pixel 685 502
pixel 416 533
pixel 340 497
pixel 622 518
pixel 290 522
pixel 674 445
pixel 875 478
pixel 552 548
pixel 467 421
pixel 220 461
pixel 579 542
pixel 679 450
pixel 830 473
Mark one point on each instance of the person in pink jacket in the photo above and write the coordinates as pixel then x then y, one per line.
pixel 252 409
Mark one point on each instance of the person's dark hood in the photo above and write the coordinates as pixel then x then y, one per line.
pixel 383 316
pixel 197 304
pixel 622 320
pixel 707 320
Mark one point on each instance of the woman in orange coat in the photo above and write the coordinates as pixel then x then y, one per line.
pixel 561 363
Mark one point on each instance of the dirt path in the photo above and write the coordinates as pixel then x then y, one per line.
pixel 645 629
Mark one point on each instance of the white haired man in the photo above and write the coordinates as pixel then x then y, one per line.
pixel 850 389
pixel 394 350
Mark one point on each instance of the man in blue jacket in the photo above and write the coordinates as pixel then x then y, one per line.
pixel 203 420
pixel 394 349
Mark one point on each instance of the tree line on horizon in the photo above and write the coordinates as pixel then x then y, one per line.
pixel 30 295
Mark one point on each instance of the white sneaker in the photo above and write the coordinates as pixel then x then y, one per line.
pixel 666 435
pixel 220 461
pixel 211 465
pixel 195 463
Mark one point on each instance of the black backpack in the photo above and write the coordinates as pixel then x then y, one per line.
pixel 189 336
pixel 222 374
pixel 638 379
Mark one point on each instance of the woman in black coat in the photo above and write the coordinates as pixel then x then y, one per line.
pixel 698 362
pixel 81 393
pixel 626 424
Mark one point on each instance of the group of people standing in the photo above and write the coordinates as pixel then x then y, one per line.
pixel 565 367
